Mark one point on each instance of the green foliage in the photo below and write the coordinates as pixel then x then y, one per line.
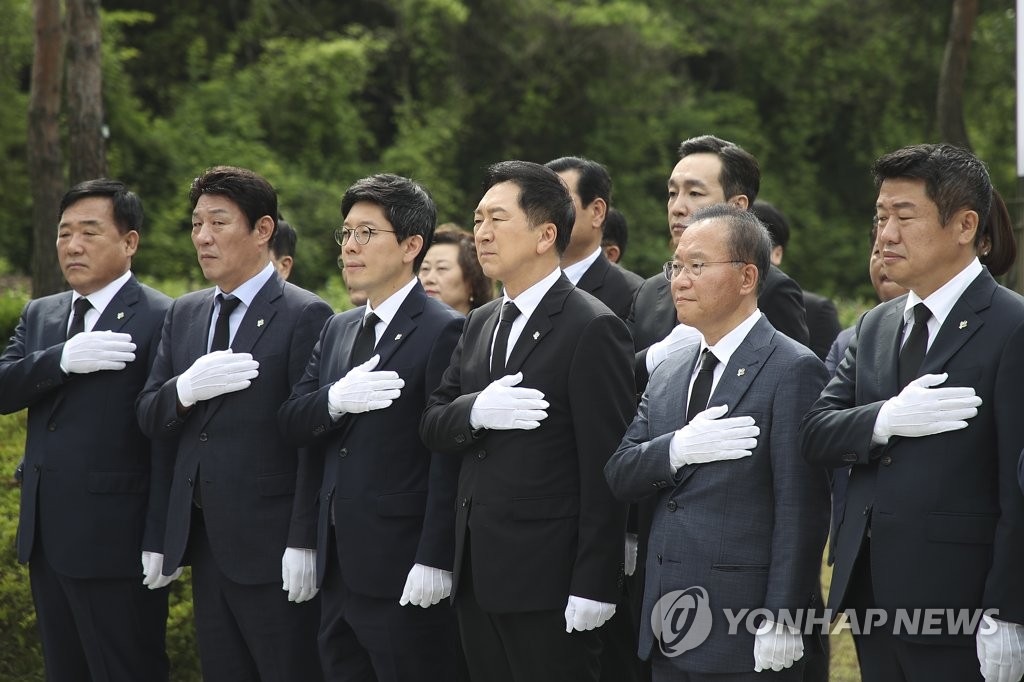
pixel 14 294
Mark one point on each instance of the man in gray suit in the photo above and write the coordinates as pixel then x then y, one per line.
pixel 739 513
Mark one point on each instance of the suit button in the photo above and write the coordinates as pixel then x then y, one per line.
pixel 169 425
pixel 886 460
pixel 671 506
pixel 203 437
pixel 51 427
pixel 867 509
pixel 659 558
pixel 465 501
pixel 343 453
pixel 481 455
pixel 850 457
pixel 189 480
pixel 460 439
pixel 37 468
pixel 319 429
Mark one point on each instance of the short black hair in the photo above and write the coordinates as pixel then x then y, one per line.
pixel 406 204
pixel 953 178
pixel 285 238
pixel 543 196
pixel 615 230
pixel 253 194
pixel 749 240
pixel 740 174
pixel 594 181
pixel 128 213
pixel 774 220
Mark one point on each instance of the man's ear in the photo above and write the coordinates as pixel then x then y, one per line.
pixel 966 222
pixel 131 243
pixel 612 252
pixel 750 279
pixel 547 234
pixel 739 201
pixel 264 229
pixel 776 257
pixel 600 212
pixel 412 246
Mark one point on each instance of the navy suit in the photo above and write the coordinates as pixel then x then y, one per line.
pixel 611 284
pixel 946 518
pixel 392 501
pixel 249 480
pixel 750 531
pixel 88 507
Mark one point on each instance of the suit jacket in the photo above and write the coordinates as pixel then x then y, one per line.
pixel 87 494
pixel 611 284
pixel 750 531
pixel 232 441
pixel 946 516
pixel 822 323
pixel 393 500
pixel 653 314
pixel 533 505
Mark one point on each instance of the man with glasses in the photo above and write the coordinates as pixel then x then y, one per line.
pixel 387 503
pixel 739 514
pixel 228 357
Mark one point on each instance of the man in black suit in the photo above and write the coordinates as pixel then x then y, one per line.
pixel 710 171
pixel 537 396
pixel 77 361
pixel 228 358
pixel 584 262
pixel 386 539
pixel 925 406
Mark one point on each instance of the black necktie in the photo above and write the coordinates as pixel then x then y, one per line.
pixel 701 393
pixel 912 354
pixel 366 339
pixel 509 312
pixel 81 306
pixel 222 329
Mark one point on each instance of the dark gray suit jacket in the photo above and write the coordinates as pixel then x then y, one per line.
pixel 945 513
pixel 248 469
pixel 88 467
pixel 611 284
pixel 749 531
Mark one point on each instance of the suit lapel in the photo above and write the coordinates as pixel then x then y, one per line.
pixel 402 325
pixel 665 308
pixel 259 316
pixel 961 324
pixel 341 363
pixel 539 324
pixel 593 279
pixel 889 331
pixel 199 327
pixel 55 320
pixel 121 308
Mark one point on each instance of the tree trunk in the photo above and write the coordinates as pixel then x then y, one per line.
pixel 44 152
pixel 950 102
pixel 87 143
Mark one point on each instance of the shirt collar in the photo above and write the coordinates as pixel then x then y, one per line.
pixel 575 271
pixel 528 300
pixel 728 344
pixel 388 308
pixel 247 291
pixel 942 300
pixel 102 298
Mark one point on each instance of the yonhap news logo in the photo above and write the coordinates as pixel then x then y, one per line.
pixel 681 620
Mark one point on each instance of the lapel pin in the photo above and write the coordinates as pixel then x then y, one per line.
pixel 741 371
pixel 120 316
pixel 259 322
pixel 963 324
pixel 398 337
pixel 536 335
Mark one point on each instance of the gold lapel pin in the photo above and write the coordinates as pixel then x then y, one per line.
pixel 398 337
pixel 963 324
pixel 536 335
pixel 259 322
pixel 120 316
pixel 741 371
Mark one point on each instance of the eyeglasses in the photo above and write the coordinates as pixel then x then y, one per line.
pixel 362 233
pixel 672 269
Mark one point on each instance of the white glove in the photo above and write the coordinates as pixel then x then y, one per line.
pixel 87 352
pixel 298 574
pixel 920 410
pixel 362 390
pixel 215 374
pixel 681 336
pixel 1000 650
pixel 776 647
pixel 500 406
pixel 710 439
pixel 631 549
pixel 152 571
pixel 426 586
pixel 586 614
